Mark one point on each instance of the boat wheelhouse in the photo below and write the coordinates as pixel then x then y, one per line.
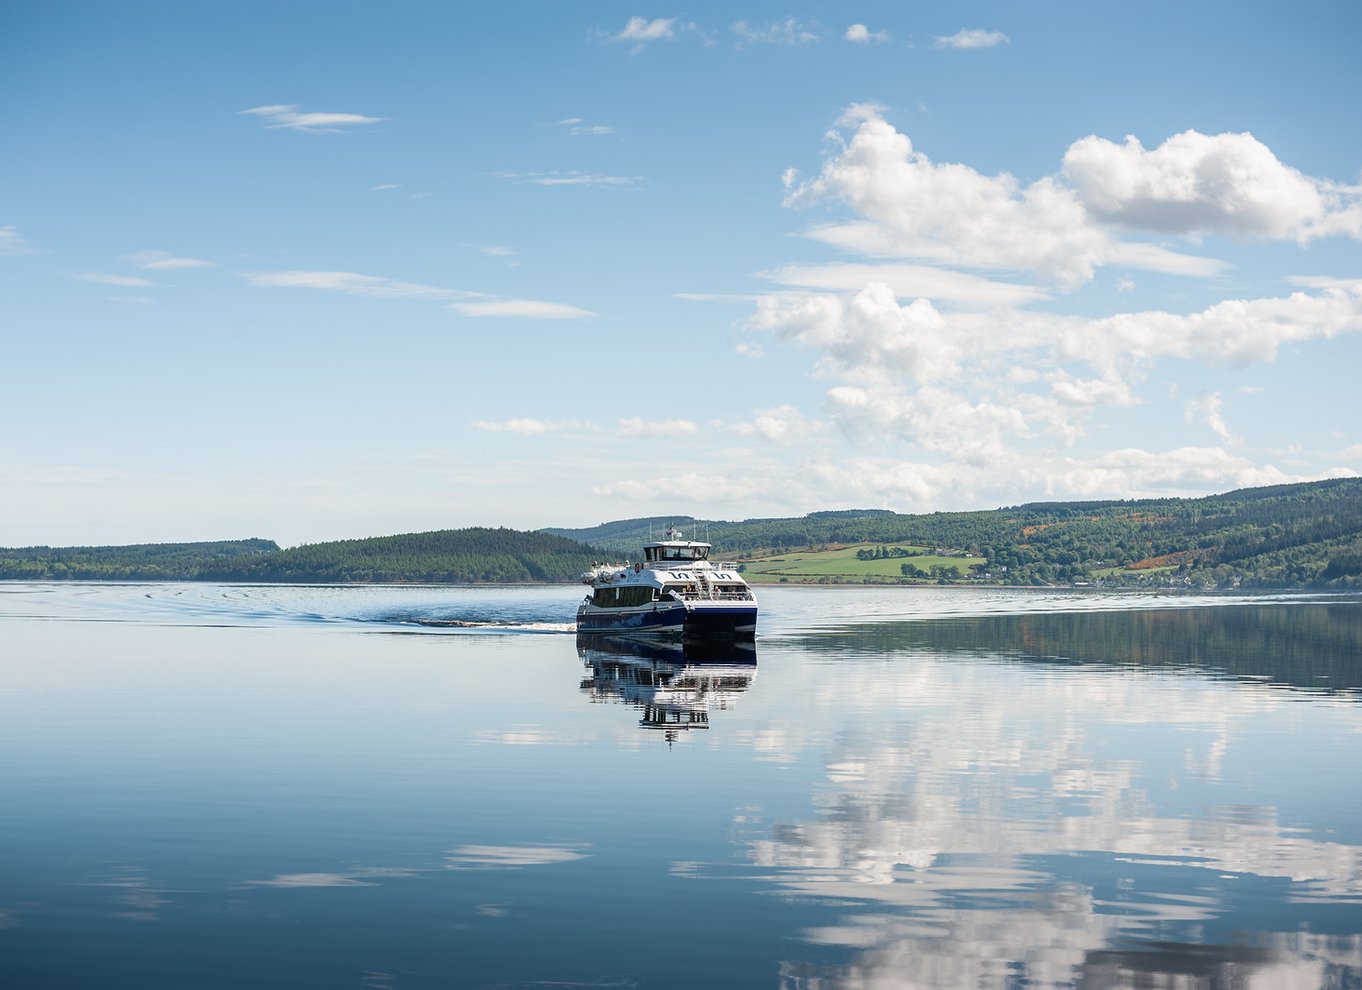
pixel 675 590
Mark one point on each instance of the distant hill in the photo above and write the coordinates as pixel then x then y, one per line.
pixel 145 562
pixel 449 556
pixel 1287 536
pixel 1304 535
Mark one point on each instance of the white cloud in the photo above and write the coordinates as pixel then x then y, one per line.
pixel 287 115
pixel 378 287
pixel 920 281
pixel 384 187
pixel 12 242
pixel 950 214
pixel 970 38
pixel 638 427
pixel 532 309
pixel 790 31
pixel 946 384
pixel 861 35
pixel 868 337
pixel 1198 183
pixel 352 283
pixel 164 261
pixel 527 426
pixel 780 424
pixel 573 178
pixel 967 38
pixel 639 31
pixel 578 127
pixel 122 281
pixel 493 251
pixel 1207 408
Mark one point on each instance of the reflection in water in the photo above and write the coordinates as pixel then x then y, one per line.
pixel 1314 647
pixel 675 685
pixel 997 823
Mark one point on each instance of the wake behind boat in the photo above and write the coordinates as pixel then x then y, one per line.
pixel 674 591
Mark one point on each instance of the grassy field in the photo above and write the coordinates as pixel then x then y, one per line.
pixel 840 563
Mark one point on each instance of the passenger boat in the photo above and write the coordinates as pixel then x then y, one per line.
pixel 674 591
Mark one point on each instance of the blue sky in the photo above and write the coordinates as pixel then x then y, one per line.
pixel 310 271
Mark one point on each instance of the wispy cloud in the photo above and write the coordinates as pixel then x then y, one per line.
pixel 165 261
pixel 639 31
pixel 968 38
pixel 531 427
pixel 287 115
pixel 121 281
pixel 353 284
pixel 578 127
pixel 493 251
pixel 790 31
pixel 533 309
pixel 297 880
pixel 380 287
pixel 573 178
pixel 12 242
pixel 384 187
pixel 639 427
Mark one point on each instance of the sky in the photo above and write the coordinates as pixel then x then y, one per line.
pixel 322 270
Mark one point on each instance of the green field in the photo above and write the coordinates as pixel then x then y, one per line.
pixel 840 564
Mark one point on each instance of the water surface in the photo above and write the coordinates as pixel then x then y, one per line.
pixel 441 787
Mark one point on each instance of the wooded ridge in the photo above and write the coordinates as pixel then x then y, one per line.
pixel 1287 536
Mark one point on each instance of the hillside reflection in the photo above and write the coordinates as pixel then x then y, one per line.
pixel 674 685
pixel 1311 647
pixel 1109 817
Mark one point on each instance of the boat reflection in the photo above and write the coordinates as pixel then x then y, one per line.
pixel 675 685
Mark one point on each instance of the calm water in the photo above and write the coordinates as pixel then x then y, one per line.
pixel 225 786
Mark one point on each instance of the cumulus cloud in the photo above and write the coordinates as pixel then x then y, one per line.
pixel 861 35
pixel 1203 183
pixel 947 383
pixel 868 337
pixel 287 115
pixel 968 38
pixel 950 214
pixel 780 424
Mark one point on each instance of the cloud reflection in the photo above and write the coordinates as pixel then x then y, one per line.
pixel 981 823
pixel 510 857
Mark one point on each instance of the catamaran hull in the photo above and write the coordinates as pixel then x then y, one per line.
pixel 698 621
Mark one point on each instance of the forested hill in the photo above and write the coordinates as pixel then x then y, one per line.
pixel 449 556
pixel 1305 535
pixel 1289 536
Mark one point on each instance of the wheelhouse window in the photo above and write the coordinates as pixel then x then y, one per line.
pixel 676 554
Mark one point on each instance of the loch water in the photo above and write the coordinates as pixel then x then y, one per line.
pixel 390 788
